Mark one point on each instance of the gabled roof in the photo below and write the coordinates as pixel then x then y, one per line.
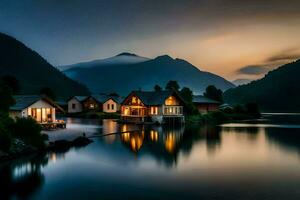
pixel 24 101
pixel 79 98
pixel 155 97
pixel 101 98
pixel 204 100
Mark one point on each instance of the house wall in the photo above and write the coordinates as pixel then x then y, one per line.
pixel 172 101
pixel 78 106
pixel 91 104
pixel 110 106
pixel 205 108
pixel 40 104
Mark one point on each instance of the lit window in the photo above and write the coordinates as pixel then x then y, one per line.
pixel 133 100
pixel 92 106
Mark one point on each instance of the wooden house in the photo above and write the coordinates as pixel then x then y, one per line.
pixel 112 105
pixel 75 104
pixel 204 104
pixel 153 106
pixel 40 108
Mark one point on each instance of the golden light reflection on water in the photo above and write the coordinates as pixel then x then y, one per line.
pixel 154 135
pixel 170 142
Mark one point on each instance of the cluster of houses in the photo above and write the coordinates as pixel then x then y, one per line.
pixel 138 106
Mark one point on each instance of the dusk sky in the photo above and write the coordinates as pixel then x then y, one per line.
pixel 232 38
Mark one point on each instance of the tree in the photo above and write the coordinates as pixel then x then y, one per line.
pixel 213 93
pixel 28 130
pixel 5 135
pixel 48 92
pixel 6 99
pixel 11 82
pixel 172 85
pixel 157 88
pixel 252 109
pixel 187 94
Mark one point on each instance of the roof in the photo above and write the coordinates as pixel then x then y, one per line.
pixel 101 98
pixel 80 98
pixel 155 97
pixel 204 100
pixel 24 101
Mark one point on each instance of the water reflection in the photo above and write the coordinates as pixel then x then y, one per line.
pixel 150 162
pixel 21 179
pixel 165 143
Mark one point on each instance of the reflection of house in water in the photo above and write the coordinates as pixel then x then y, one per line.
pixel 160 142
pixel 21 178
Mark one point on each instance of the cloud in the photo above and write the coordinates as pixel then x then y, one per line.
pixel 253 70
pixel 287 55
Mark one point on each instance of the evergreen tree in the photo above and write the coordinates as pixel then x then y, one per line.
pixel 172 85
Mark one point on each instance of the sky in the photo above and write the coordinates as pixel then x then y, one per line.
pixel 235 39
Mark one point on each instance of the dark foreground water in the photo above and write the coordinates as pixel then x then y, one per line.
pixel 236 161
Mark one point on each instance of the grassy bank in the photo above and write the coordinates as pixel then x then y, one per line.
pixel 219 117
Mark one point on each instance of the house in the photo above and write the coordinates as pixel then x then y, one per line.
pixel 75 104
pixel 99 103
pixel 204 104
pixel 112 104
pixel 154 106
pixel 40 108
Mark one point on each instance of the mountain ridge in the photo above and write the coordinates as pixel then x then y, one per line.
pixel 276 91
pixel 145 75
pixel 32 70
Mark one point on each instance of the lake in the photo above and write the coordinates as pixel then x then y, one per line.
pixel 249 160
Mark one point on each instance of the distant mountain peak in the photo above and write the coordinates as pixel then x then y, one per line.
pixel 127 54
pixel 164 58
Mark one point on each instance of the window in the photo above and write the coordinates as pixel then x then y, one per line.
pixel 73 106
pixel 153 110
pixel 133 100
pixel 92 106
pixel 112 106
pixel 108 106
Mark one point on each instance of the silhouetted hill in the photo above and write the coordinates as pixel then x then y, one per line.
pixel 122 77
pixel 33 71
pixel 277 91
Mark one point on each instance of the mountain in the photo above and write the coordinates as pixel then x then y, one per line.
pixel 33 71
pixel 239 82
pixel 120 59
pixel 277 91
pixel 122 77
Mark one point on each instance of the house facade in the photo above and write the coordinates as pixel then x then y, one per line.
pixel 111 106
pixel 75 104
pixel 154 106
pixel 205 105
pixel 42 109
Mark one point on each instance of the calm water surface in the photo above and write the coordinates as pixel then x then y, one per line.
pixel 258 160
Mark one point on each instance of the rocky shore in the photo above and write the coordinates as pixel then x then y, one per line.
pixel 19 149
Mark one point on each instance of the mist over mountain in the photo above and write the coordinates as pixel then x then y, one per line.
pixel 33 71
pixel 239 82
pixel 123 76
pixel 277 91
